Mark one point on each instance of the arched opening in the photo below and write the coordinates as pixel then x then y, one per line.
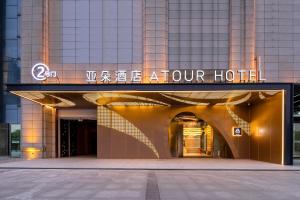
pixel 190 136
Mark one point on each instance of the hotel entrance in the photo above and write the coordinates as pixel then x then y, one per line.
pixel 197 139
pixel 78 138
pixel 161 121
pixel 191 137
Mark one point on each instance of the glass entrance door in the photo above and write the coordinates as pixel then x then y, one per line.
pixel 190 136
pixel 197 140
pixel 78 137
pixel 192 142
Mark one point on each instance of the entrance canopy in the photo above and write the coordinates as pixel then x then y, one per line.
pixel 92 95
pixel 260 110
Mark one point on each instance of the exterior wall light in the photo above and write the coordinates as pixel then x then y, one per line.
pixel 260 132
pixel 31 153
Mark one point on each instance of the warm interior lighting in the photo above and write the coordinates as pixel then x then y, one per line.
pixel 197 139
pixel 187 131
pixel 131 104
pixel 49 107
pixel 184 101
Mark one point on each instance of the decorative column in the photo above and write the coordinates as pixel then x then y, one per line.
pixel 242 35
pixel 34 50
pixel 155 37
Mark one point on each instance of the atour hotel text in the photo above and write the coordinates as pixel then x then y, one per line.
pixel 175 76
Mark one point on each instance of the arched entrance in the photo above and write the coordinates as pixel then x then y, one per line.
pixel 190 136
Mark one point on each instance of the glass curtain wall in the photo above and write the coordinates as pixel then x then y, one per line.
pixel 10 71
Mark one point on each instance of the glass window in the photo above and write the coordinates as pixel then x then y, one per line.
pixel 11 28
pixel 15 135
pixel 11 11
pixel 297 140
pixel 12 2
pixel 11 48
pixel 297 135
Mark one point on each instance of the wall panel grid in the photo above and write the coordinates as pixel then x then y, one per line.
pixel 97 31
pixel 198 34
pixel 278 38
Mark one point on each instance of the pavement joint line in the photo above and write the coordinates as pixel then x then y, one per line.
pixel 152 189
pixel 148 169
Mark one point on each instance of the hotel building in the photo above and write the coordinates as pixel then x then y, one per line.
pixel 159 79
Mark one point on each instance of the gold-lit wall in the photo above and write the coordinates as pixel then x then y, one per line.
pixel 267 130
pixel 32 131
pixel 142 131
pixel 38 131
pixel 50 132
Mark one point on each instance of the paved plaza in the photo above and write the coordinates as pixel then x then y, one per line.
pixel 147 164
pixel 148 184
pixel 265 182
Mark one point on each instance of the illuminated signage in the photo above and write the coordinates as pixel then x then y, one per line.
pixel 174 76
pixel 41 72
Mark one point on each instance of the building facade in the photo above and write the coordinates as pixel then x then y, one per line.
pixel 159 78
